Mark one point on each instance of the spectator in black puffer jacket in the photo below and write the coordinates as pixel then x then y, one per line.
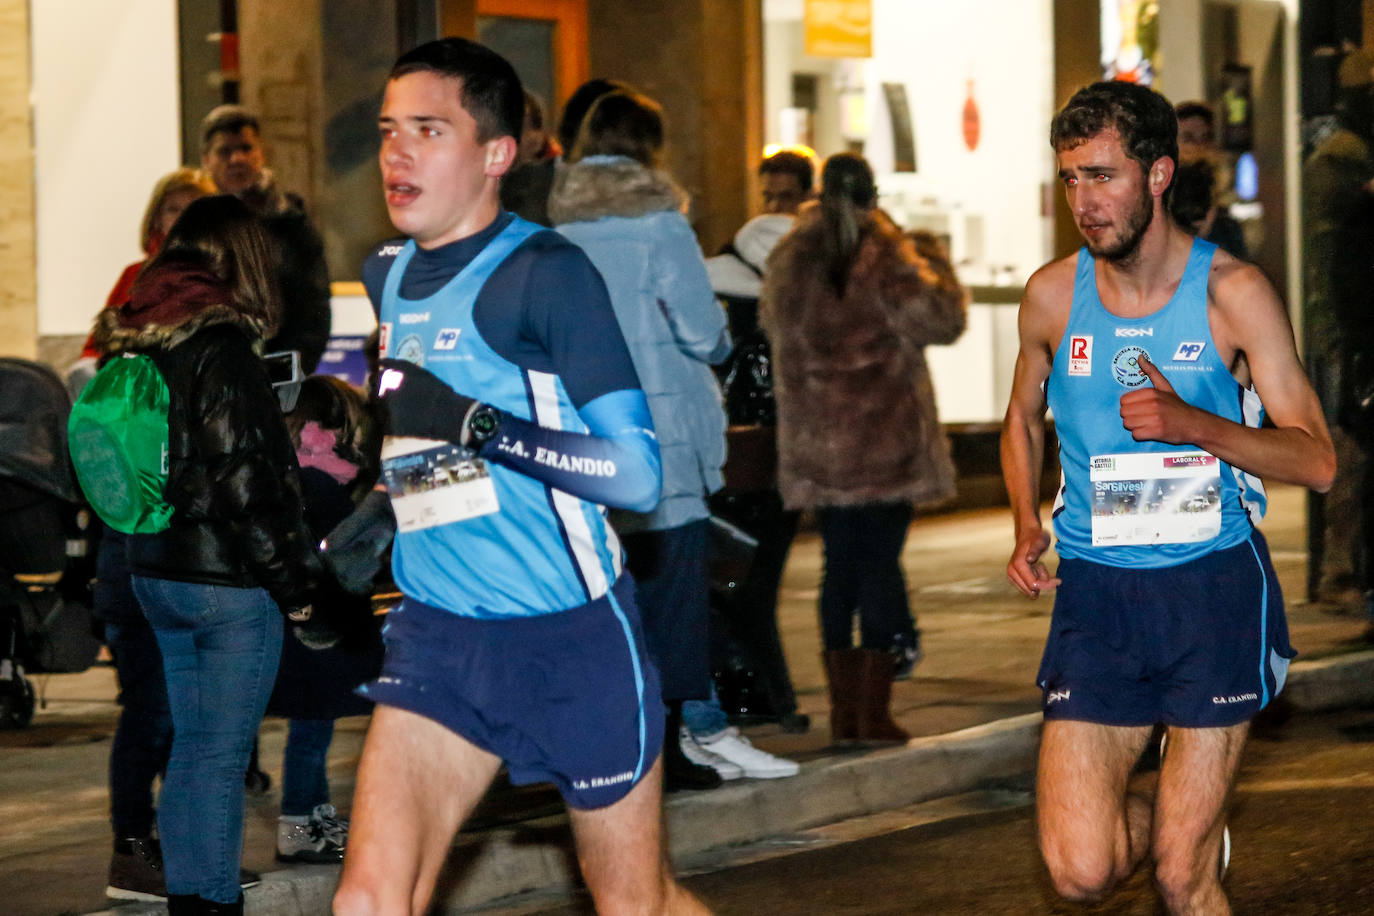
pixel 237 550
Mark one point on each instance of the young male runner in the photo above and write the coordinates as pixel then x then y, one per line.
pixel 514 416
pixel 1146 345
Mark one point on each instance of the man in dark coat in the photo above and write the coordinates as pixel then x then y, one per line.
pixel 1335 177
pixel 232 154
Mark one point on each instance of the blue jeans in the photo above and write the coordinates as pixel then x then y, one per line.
pixel 704 718
pixel 304 778
pixel 143 736
pixel 672 591
pixel 220 648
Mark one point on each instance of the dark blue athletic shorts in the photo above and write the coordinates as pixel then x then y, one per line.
pixel 569 698
pixel 1200 645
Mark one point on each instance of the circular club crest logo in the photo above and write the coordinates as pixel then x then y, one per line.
pixel 412 350
pixel 1126 366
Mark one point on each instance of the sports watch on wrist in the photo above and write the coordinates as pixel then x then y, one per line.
pixel 482 424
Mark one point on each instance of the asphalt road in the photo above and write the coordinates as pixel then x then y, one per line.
pixel 1301 826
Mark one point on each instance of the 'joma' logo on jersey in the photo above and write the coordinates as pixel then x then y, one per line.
pixel 390 251
pixel 1135 332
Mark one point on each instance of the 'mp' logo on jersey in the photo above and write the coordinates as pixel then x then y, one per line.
pixel 447 339
pixel 1189 350
pixel 1081 354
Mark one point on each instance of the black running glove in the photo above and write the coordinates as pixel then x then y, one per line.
pixel 353 551
pixel 419 404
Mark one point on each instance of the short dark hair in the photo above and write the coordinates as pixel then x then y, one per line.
pixel 579 103
pixel 787 162
pixel 1195 110
pixel 490 90
pixel 229 119
pixel 1141 117
pixel 622 124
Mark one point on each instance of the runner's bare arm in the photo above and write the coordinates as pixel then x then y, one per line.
pixel 1040 323
pixel 1246 316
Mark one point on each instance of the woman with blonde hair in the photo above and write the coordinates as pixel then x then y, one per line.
pixel 172 194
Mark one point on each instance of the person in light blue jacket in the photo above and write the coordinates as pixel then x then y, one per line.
pixel 611 199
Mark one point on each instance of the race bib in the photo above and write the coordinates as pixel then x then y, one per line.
pixel 1155 498
pixel 433 483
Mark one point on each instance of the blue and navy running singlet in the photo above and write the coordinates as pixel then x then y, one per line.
pixel 525 325
pixel 1145 504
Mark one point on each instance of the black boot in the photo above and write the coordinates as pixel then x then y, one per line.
pixel 678 772
pixel 210 908
pixel 184 905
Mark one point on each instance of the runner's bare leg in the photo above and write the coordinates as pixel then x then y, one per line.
pixel 620 849
pixel 1094 822
pixel 417 782
pixel 1190 813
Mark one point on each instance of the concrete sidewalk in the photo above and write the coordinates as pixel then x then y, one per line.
pixel 972 706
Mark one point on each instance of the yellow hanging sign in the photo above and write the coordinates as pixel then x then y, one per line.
pixel 839 28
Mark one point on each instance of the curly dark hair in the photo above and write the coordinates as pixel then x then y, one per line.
pixel 1141 117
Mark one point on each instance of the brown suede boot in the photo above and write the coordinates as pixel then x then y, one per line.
pixel 875 723
pixel 843 674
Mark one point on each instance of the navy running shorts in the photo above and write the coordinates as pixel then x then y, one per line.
pixel 1200 645
pixel 569 698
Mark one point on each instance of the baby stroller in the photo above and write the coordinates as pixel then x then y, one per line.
pixel 45 564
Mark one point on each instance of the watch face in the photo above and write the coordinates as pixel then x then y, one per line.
pixel 483 425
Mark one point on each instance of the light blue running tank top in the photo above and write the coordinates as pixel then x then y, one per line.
pixel 1145 504
pixel 545 550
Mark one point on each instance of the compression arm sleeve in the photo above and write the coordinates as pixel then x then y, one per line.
pixel 616 464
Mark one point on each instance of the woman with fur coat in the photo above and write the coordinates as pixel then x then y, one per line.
pixel 849 304
pixel 611 199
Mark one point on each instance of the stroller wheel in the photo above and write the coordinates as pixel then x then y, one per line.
pixel 16 702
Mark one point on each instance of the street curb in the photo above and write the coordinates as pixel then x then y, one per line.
pixel 1325 684
pixel 537 855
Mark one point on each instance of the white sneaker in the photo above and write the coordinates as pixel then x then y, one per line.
pixel 735 748
pixel 704 758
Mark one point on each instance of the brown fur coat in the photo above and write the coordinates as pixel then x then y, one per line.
pixel 856 408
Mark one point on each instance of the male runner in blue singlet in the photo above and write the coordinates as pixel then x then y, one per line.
pixel 514 417
pixel 1153 350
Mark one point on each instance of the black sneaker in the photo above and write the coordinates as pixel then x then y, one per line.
pixel 321 840
pixel 256 782
pixel 904 660
pixel 136 870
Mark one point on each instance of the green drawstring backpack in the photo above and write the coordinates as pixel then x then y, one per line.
pixel 117 435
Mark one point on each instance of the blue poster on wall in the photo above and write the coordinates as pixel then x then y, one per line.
pixel 344 358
